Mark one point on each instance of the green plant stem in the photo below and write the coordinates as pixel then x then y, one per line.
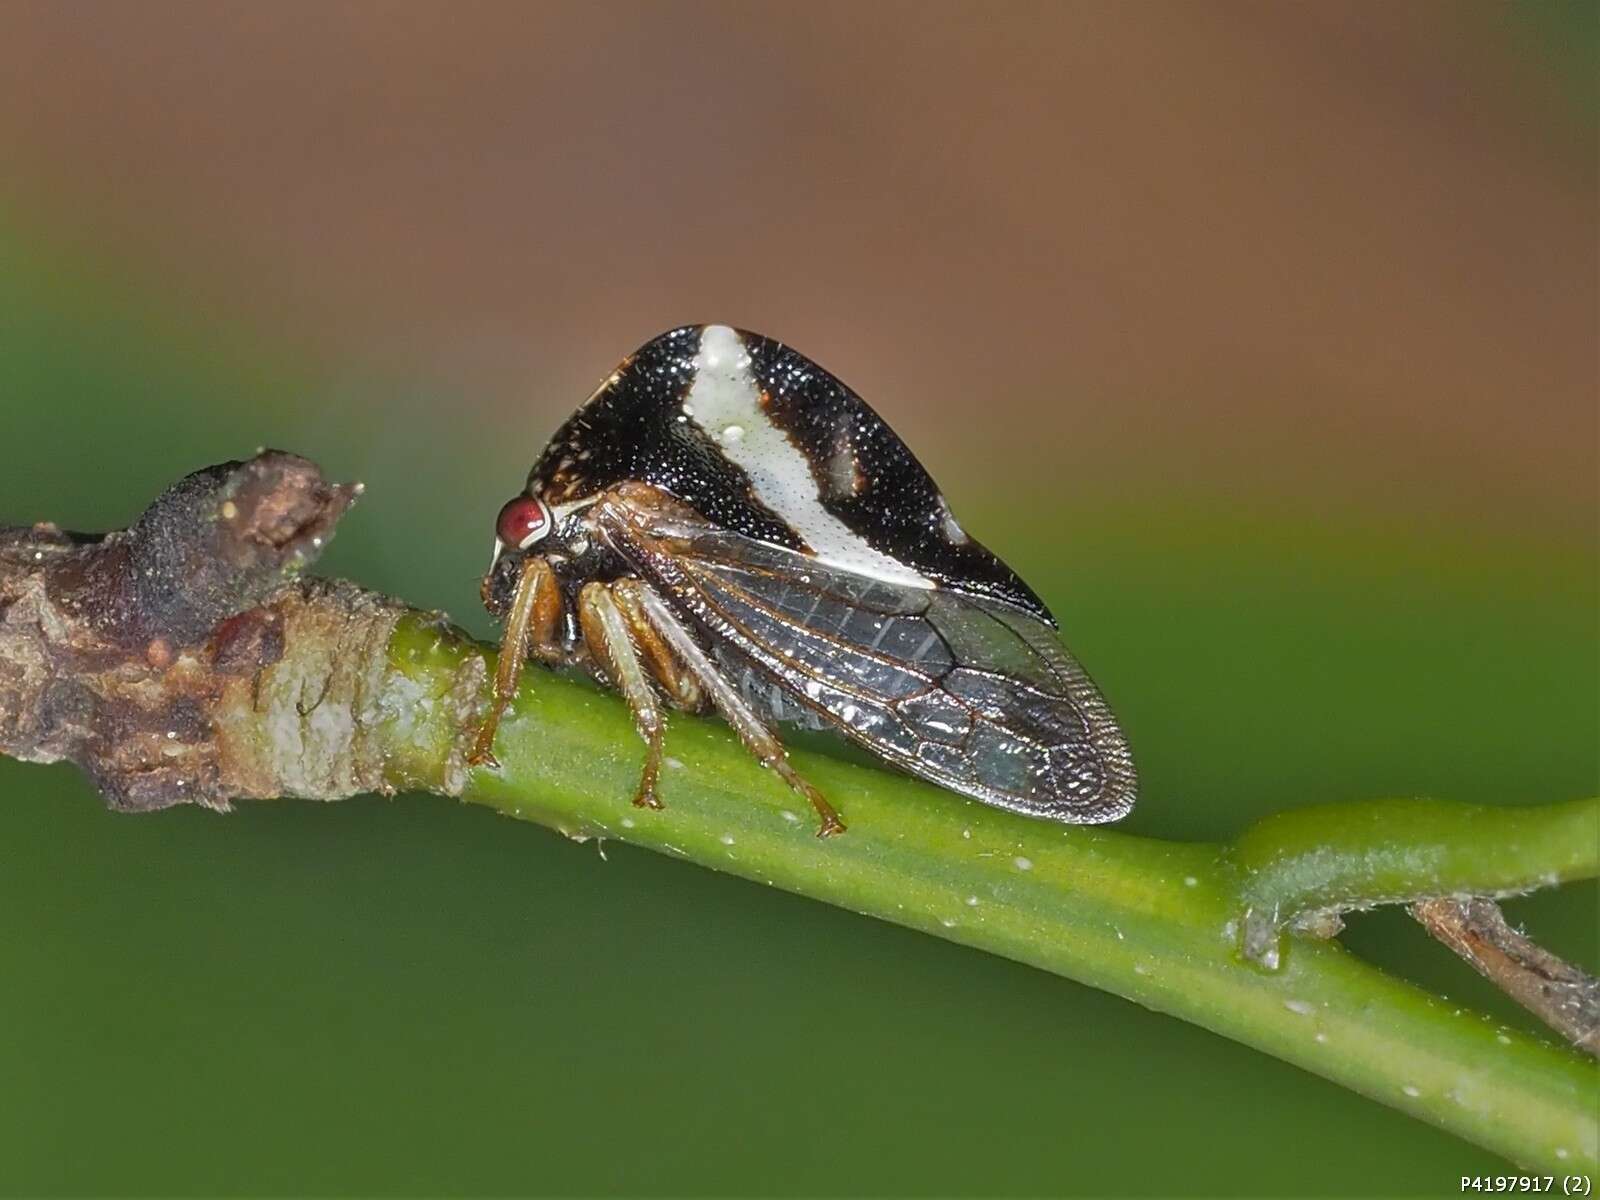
pixel 182 661
pixel 1333 857
pixel 1155 922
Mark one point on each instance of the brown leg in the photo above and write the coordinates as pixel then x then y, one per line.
pixel 606 632
pixel 758 739
pixel 535 609
pixel 682 691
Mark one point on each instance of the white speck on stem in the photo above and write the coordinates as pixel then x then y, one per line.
pixel 967 833
pixel 947 922
pixel 1320 1037
pixel 675 764
pixel 1140 969
pixel 1562 1152
pixel 792 818
pixel 726 839
pixel 1304 1007
pixel 1411 1091
pixel 1023 864
pixel 1502 1039
pixel 627 822
pixel 972 902
pixel 1190 881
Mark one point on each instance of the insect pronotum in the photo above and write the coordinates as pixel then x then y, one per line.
pixel 724 525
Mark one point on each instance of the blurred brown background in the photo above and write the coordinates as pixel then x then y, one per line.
pixel 1337 249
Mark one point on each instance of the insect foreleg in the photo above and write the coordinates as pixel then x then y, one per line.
pixel 606 632
pixel 758 739
pixel 531 619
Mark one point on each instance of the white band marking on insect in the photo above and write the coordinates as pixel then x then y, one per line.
pixel 723 399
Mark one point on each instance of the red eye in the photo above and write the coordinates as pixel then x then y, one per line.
pixel 522 522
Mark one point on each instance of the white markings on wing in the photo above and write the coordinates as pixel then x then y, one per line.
pixel 724 397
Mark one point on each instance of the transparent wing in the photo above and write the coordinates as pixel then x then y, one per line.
pixel 972 694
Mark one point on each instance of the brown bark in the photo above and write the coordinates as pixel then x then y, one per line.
pixel 1558 993
pixel 183 661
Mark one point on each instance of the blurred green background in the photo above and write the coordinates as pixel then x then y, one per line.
pixel 1261 339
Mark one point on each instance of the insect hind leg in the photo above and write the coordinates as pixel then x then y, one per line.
pixel 606 631
pixel 752 731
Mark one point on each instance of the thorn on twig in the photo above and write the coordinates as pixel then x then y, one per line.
pixel 1561 995
pixel 222 540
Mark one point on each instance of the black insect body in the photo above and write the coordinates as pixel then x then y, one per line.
pixel 724 525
